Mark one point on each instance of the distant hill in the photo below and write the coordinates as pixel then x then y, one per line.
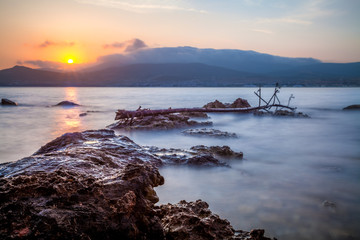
pixel 191 67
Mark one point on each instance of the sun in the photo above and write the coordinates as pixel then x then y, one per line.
pixel 70 61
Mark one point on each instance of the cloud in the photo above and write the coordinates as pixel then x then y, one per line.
pixel 285 20
pixel 262 31
pixel 48 43
pixel 128 46
pixel 141 6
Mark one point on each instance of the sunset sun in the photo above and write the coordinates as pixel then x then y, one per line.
pixel 70 61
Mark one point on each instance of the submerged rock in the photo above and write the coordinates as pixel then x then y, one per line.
pixel 352 107
pixel 67 103
pixel 194 221
pixel 224 151
pixel 167 121
pixel 282 113
pixel 7 102
pixel 209 132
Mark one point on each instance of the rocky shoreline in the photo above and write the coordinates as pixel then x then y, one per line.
pixel 97 185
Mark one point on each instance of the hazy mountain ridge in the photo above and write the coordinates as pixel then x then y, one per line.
pixel 192 67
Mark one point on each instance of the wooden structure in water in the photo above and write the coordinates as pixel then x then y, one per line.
pixel 274 102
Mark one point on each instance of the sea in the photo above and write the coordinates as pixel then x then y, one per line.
pixel 299 179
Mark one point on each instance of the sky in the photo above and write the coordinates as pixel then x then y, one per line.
pixel 43 33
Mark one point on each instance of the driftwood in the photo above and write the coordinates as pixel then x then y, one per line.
pixel 124 114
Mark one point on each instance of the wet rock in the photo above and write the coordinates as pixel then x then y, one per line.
pixel 205 160
pixel 89 185
pixel 7 102
pixel 193 220
pixel 209 132
pixel 352 107
pixel 224 151
pixel 83 114
pixel 282 113
pixel 168 121
pixel 67 104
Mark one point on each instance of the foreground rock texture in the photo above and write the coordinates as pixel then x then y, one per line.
pixel 89 185
pixel 96 185
pixel 166 121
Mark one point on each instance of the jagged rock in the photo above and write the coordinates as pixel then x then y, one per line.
pixel 224 151
pixel 352 107
pixel 167 121
pixel 5 101
pixel 193 220
pixel 215 104
pixel 209 132
pixel 205 160
pixel 89 185
pixel 282 113
pixel 240 103
pixel 67 103
pixel 96 185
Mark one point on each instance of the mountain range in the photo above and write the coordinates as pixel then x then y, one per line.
pixel 191 67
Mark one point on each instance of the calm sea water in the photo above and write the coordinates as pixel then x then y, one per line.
pixel 299 179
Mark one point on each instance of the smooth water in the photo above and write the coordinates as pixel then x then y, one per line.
pixel 299 179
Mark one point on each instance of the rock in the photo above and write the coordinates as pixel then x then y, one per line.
pixel 193 220
pixel 168 121
pixel 224 151
pixel 215 104
pixel 282 113
pixel 83 114
pixel 195 114
pixel 240 103
pixel 7 102
pixel 352 107
pixel 205 160
pixel 329 204
pixel 67 103
pixel 96 185
pixel 209 132
pixel 89 185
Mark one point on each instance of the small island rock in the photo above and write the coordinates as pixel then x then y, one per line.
pixel 7 102
pixel 352 107
pixel 67 103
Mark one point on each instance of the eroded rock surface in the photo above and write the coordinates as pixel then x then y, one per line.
pixel 96 185
pixel 89 185
pixel 167 121
pixel 224 151
pixel 209 132
pixel 195 221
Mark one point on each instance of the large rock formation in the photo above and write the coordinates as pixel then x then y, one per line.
pixel 89 185
pixel 166 121
pixel 96 185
